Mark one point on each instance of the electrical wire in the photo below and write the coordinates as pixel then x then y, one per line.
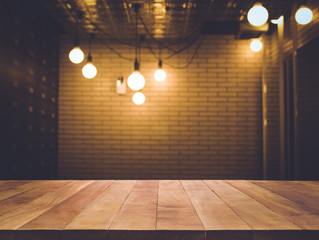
pixel 114 51
pixel 189 61
pixel 162 44
pixel 192 58
pixel 192 38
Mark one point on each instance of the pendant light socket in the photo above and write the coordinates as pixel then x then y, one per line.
pixel 89 58
pixel 160 64
pixel 136 65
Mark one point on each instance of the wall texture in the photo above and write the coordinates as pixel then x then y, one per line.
pixel 28 91
pixel 202 122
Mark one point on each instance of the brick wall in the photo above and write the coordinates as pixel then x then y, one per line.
pixel 202 122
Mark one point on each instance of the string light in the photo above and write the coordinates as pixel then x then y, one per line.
pixel 256 45
pixel 89 70
pixel 160 74
pixel 76 55
pixel 257 15
pixel 303 15
pixel 138 98
pixel 136 81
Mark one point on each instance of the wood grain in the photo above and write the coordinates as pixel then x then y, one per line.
pixel 102 211
pixel 159 210
pixel 20 199
pixel 62 214
pixel 139 210
pixel 21 215
pixel 286 208
pixel 19 189
pixel 11 184
pixel 256 215
pixel 175 211
pixel 301 193
pixel 213 212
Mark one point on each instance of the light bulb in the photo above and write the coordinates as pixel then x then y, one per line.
pixel 136 81
pixel 160 75
pixel 76 55
pixel 303 15
pixel 138 98
pixel 256 45
pixel 89 70
pixel 257 15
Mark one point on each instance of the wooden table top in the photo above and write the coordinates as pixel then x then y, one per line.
pixel 159 209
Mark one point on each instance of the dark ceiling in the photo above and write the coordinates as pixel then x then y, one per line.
pixel 158 20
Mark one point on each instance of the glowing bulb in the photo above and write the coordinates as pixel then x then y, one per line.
pixel 89 70
pixel 303 15
pixel 76 55
pixel 256 45
pixel 160 75
pixel 257 15
pixel 136 81
pixel 138 98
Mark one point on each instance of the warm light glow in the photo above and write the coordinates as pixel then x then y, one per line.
pixel 256 45
pixel 257 15
pixel 278 21
pixel 76 55
pixel 160 75
pixel 138 98
pixel 89 70
pixel 136 81
pixel 303 15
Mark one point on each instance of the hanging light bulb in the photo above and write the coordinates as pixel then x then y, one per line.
pixel 138 98
pixel 160 74
pixel 89 70
pixel 256 45
pixel 76 55
pixel 303 15
pixel 257 15
pixel 136 81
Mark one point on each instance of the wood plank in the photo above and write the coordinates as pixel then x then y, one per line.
pixel 256 215
pixel 8 193
pixel 101 212
pixel 62 214
pixel 4 185
pixel 305 195
pixel 16 201
pixel 175 210
pixel 213 212
pixel 21 215
pixel 310 183
pixel 139 210
pixel 284 207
